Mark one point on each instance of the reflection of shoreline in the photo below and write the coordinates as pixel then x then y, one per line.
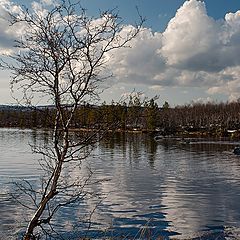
pixel 183 188
pixel 175 196
pixel 208 145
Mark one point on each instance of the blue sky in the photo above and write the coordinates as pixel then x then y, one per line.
pixel 159 12
pixel 188 51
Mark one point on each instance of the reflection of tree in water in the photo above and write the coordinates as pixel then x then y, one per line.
pixel 138 146
pixel 151 149
pixel 40 137
pixel 192 186
pixel 211 147
pixel 134 198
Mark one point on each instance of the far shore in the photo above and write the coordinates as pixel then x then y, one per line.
pixel 218 134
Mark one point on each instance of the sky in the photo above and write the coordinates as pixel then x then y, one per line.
pixel 188 50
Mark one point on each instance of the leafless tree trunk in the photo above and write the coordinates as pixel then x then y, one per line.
pixel 62 57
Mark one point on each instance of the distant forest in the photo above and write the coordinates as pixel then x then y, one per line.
pixel 216 119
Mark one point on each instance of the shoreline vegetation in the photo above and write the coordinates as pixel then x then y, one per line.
pixel 210 120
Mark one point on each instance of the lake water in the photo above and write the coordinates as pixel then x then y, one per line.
pixel 154 189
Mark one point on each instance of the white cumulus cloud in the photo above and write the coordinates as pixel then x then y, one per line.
pixel 139 62
pixel 189 37
pixel 195 50
pixel 7 33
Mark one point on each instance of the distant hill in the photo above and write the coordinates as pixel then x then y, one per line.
pixel 23 108
pixel 12 107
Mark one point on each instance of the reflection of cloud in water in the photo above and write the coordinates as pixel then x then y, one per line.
pixel 193 187
pixel 132 189
pixel 166 185
pixel 201 192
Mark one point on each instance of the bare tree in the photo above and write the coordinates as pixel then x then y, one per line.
pixel 62 57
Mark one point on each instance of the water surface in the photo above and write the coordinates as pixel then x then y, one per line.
pixel 165 187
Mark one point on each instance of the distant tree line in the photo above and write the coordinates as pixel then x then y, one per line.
pixel 199 115
pixel 134 114
pixel 216 119
pixel 26 117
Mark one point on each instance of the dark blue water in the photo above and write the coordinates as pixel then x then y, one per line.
pixel 147 188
